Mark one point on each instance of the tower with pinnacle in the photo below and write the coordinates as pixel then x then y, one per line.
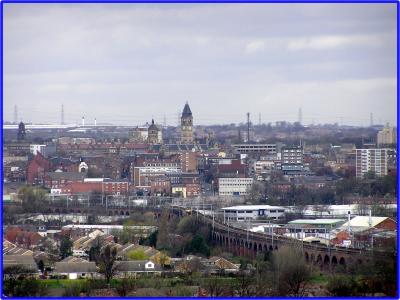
pixel 186 125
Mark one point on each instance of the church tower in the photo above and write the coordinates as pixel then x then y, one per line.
pixel 187 125
pixel 153 133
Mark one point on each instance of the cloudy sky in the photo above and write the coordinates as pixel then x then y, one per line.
pixel 127 63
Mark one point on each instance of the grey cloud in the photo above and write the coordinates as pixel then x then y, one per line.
pixel 127 62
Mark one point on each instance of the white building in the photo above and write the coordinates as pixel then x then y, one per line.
pixel 234 186
pixel 251 148
pixel 35 148
pixel 387 136
pixel 374 160
pixel 245 212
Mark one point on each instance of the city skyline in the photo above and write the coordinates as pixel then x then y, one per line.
pixel 128 63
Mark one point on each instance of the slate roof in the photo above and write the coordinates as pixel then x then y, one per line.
pixel 25 261
pixel 186 111
pixel 135 266
pixel 75 267
pixel 74 176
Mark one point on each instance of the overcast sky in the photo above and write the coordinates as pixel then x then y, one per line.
pixel 127 63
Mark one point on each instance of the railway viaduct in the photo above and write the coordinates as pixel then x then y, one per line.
pixel 250 244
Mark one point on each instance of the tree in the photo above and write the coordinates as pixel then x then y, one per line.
pixel 108 256
pixel 41 266
pixel 137 254
pixel 198 246
pixel 151 240
pixel 340 285
pixel 33 199
pixel 94 251
pixel 256 192
pixel 291 272
pixel 163 241
pixel 16 285
pixel 65 247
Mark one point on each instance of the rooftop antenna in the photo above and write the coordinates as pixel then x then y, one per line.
pixel 83 121
pixel 248 127
pixel 15 114
pixel 95 122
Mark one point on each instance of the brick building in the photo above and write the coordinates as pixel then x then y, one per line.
pixel 37 169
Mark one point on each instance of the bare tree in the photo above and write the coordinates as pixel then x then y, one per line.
pixel 291 272
pixel 108 256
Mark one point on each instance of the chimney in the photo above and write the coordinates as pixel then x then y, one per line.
pixel 83 121
pixel 370 218
pixel 348 221
pixel 95 122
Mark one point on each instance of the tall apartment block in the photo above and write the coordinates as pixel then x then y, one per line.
pixel 375 160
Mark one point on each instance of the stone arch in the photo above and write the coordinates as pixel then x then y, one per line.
pixel 276 247
pixel 319 259
pixel 270 248
pixel 334 261
pixel 312 257
pixel 342 261
pixel 110 213
pixel 265 248
pixel 79 211
pixel 260 248
pixel 116 213
pixel 306 257
pixel 57 211
pixel 122 213
pixel 326 260
pixel 64 211
pixel 127 213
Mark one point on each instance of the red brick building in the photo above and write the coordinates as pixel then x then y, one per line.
pixel 116 187
pixel 193 189
pixel 36 169
pixel 188 162
pixel 160 184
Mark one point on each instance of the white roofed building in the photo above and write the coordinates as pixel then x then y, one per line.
pixel 253 212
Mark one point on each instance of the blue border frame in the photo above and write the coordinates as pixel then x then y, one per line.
pixel 200 2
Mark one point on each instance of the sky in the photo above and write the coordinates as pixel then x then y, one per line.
pixel 128 63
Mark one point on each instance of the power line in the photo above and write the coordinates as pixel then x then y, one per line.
pixel 15 114
pixel 62 115
pixel 248 127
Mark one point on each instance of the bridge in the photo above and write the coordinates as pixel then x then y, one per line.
pixel 246 243
pixel 250 244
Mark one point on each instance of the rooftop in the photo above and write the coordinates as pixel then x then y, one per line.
pixel 317 221
pixel 252 207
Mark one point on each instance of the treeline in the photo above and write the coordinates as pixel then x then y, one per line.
pixel 335 193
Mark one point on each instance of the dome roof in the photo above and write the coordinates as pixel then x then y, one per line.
pixel 153 126
pixel 186 111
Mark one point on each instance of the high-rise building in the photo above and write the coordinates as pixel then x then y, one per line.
pixel 292 159
pixel 387 136
pixel 188 162
pixel 186 125
pixel 374 160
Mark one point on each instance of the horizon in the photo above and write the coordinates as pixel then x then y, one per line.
pixel 120 63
